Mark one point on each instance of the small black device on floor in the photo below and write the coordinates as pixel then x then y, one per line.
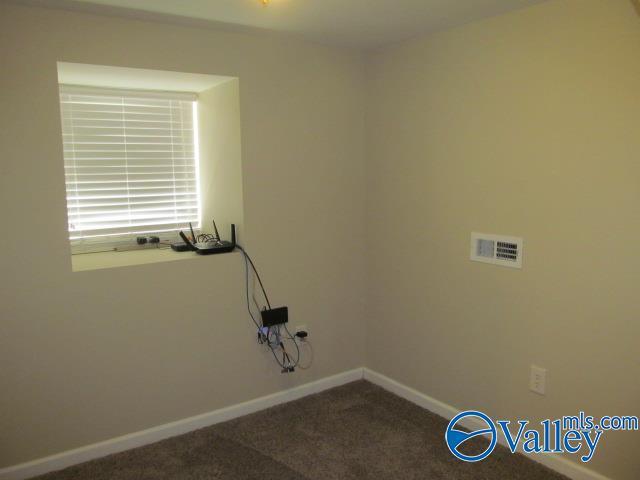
pixel 211 247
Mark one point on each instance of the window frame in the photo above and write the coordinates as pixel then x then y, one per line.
pixel 127 240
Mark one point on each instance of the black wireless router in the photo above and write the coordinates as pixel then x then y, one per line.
pixel 213 247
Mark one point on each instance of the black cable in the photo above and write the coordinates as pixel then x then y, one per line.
pixel 276 357
pixel 207 238
pixel 293 339
pixel 285 355
pixel 246 276
pixel 247 257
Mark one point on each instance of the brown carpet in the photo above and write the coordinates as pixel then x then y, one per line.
pixel 357 431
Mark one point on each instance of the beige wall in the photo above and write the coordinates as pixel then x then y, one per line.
pixel 87 356
pixel 219 140
pixel 525 125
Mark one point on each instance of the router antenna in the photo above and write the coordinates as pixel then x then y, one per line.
pixel 215 228
pixel 193 235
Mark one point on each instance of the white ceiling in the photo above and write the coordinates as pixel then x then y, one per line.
pixel 351 23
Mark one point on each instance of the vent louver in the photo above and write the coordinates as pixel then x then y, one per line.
pixel 496 249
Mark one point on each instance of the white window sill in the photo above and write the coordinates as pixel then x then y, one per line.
pixel 101 260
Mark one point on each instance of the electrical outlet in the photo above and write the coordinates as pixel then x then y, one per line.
pixel 301 328
pixel 538 380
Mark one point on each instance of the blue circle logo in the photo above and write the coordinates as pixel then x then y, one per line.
pixel 456 437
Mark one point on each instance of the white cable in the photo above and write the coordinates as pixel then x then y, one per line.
pixel 306 343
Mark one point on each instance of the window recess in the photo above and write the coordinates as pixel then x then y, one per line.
pixel 130 161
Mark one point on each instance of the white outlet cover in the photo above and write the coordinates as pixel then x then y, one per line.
pixel 538 380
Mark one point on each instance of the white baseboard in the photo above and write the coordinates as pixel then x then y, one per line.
pixel 145 437
pixel 555 462
pixel 155 434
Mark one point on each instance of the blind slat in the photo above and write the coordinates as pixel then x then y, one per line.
pixel 130 161
pixel 96 204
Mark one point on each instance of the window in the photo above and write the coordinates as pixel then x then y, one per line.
pixel 130 160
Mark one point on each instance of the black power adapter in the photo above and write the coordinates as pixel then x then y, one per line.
pixel 144 240
pixel 180 247
pixel 275 316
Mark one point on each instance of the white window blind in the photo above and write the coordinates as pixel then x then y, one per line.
pixel 130 159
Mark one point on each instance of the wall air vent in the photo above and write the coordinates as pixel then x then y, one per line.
pixel 496 249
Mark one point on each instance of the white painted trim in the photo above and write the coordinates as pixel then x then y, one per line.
pixel 555 462
pixel 155 434
pixel 145 437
